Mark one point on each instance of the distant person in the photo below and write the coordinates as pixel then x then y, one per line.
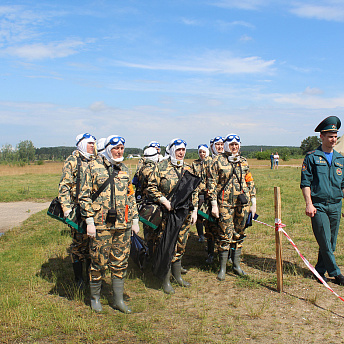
pixel 322 185
pixel 272 160
pixel 69 189
pixel 276 158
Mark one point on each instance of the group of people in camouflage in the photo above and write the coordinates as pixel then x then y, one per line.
pixel 100 184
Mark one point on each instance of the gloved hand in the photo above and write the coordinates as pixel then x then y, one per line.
pixel 135 228
pixel 194 216
pixel 91 228
pixel 215 209
pixel 166 203
pixel 253 208
pixel 67 212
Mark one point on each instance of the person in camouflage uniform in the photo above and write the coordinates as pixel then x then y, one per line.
pixel 79 248
pixel 199 168
pixel 151 155
pixel 140 163
pixel 230 183
pixel 211 228
pixel 161 182
pixel 110 215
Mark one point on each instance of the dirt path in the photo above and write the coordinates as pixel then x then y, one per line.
pixel 14 213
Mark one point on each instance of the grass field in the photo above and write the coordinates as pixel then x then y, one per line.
pixel 39 304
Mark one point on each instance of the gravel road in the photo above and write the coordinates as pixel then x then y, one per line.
pixel 14 213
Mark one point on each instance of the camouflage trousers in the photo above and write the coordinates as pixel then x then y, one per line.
pixel 231 230
pixel 110 249
pixel 181 240
pixel 79 248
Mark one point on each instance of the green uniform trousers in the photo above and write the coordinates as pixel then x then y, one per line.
pixel 325 224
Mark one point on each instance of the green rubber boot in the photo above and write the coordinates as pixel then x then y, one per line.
pixel 95 288
pixel 223 255
pixel 177 273
pixel 236 262
pixel 166 284
pixel 118 302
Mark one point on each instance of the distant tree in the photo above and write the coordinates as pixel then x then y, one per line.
pixel 8 153
pixel 26 150
pixel 310 143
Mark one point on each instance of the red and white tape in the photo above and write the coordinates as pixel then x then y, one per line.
pixel 279 227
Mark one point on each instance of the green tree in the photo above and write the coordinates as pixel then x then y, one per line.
pixel 26 150
pixel 8 153
pixel 310 143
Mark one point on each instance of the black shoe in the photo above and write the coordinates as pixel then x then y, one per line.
pixel 323 277
pixel 339 279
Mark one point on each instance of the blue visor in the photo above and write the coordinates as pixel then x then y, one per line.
pixel 86 136
pixel 178 142
pixel 116 140
pixel 155 145
pixel 231 138
pixel 218 139
pixel 204 145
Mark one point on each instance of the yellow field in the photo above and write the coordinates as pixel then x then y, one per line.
pixel 56 167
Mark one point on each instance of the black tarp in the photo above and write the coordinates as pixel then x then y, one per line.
pixel 180 204
pixel 138 251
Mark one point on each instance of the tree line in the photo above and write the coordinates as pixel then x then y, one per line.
pixel 25 152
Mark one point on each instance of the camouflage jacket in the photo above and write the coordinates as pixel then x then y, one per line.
pixel 143 176
pixel 124 202
pixel 67 186
pixel 220 172
pixel 164 178
pixel 200 168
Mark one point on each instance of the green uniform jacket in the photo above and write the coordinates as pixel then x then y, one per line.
pixel 124 199
pixel 326 182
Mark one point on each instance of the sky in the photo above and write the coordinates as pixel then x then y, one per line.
pixel 267 70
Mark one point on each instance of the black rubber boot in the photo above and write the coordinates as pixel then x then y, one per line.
pixel 236 262
pixel 210 249
pixel 177 273
pixel 95 288
pixel 223 255
pixel 77 268
pixel 230 256
pixel 184 271
pixel 166 284
pixel 87 267
pixel 118 302
pixel 199 227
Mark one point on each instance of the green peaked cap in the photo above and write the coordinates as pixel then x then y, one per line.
pixel 331 123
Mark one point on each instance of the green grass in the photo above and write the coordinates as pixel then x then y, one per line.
pixel 39 303
pixel 29 187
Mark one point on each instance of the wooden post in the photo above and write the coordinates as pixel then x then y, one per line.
pixel 278 239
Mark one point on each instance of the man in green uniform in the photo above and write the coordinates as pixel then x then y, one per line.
pixel 322 185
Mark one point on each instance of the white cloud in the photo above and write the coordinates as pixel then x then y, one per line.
pixel 40 51
pixel 329 10
pixel 312 91
pixel 311 100
pixel 245 38
pixel 191 22
pixel 213 62
pixel 243 4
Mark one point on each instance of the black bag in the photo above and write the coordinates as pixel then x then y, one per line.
pixel 55 210
pixel 242 199
pixel 111 216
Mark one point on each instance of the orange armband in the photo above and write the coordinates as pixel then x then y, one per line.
pixel 248 177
